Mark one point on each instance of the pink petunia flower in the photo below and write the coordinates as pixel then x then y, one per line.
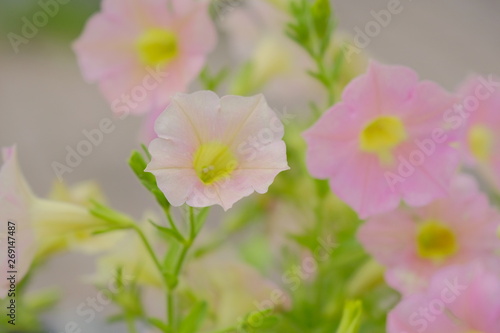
pixel 141 52
pixel 481 116
pixel 416 242
pixel 385 142
pixel 460 299
pixel 215 150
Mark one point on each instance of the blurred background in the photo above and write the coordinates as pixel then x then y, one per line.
pixel 45 105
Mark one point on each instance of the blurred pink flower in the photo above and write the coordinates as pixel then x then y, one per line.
pixel 460 299
pixel 215 150
pixel 481 105
pixel 385 142
pixel 141 52
pixel 147 133
pixel 416 242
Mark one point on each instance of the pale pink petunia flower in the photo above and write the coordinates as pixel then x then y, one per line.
pixel 460 299
pixel 480 116
pixel 416 242
pixel 385 142
pixel 15 199
pixel 213 150
pixel 141 52
pixel 35 227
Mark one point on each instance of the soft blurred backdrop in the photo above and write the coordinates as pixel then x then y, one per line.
pixel 45 104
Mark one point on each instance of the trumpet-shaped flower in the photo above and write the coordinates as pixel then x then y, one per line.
pixel 481 101
pixel 233 289
pixel 142 52
pixel 130 256
pixel 213 150
pixel 15 197
pixel 42 226
pixel 82 193
pixel 460 299
pixel 416 242
pixel 385 142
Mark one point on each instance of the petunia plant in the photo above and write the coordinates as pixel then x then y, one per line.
pixel 370 208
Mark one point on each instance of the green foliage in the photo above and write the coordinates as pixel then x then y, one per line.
pixel 351 317
pixel 138 164
pixel 312 27
pixel 213 81
pixel 66 21
pixel 116 220
pixel 194 320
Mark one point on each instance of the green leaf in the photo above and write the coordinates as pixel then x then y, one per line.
pixel 213 81
pixel 105 231
pixel 321 14
pixel 244 82
pixel 167 231
pixel 42 300
pixel 193 321
pixel 171 279
pixel 269 322
pixel 306 239
pixel 146 151
pixel 148 180
pixel 200 219
pixel 116 219
pixel 256 251
pixel 322 187
pixel 351 317
pixel 116 318
pixel 170 261
pixel 158 323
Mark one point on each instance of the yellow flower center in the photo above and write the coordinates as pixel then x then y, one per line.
pixel 157 46
pixel 213 161
pixel 436 241
pixel 481 140
pixel 381 136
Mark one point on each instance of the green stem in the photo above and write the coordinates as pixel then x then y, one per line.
pixel 149 248
pixel 188 244
pixel 131 325
pixel 192 231
pixel 171 221
pixel 171 316
pixel 170 296
pixel 226 330
pixel 328 83
pixel 178 267
pixel 170 308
